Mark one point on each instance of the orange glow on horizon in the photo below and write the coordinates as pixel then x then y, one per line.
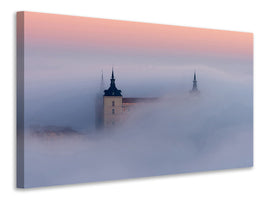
pixel 134 36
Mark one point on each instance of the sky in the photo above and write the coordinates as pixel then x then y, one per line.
pixel 90 44
pixel 121 36
pixel 64 58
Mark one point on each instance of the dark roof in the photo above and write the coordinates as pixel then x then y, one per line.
pixel 112 90
pixel 138 100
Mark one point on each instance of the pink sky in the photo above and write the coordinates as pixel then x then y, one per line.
pixel 79 32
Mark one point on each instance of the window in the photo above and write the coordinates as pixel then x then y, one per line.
pixel 113 103
pixel 113 111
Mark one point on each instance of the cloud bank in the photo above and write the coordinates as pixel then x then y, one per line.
pixel 180 133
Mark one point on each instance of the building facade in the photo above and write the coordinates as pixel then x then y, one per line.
pixel 112 108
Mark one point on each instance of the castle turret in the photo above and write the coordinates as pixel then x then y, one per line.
pixel 99 112
pixel 102 84
pixel 195 89
pixel 112 90
pixel 112 104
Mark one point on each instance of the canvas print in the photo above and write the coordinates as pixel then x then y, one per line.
pixel 101 100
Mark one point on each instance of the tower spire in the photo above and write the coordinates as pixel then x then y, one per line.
pixel 112 90
pixel 112 76
pixel 195 89
pixel 102 84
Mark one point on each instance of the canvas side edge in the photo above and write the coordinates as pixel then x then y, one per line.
pixel 20 99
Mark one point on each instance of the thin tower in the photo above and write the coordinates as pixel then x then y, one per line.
pixel 112 104
pixel 102 84
pixel 99 104
pixel 195 89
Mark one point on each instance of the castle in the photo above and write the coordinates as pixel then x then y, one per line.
pixel 112 107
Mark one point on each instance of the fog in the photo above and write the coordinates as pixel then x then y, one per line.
pixel 69 101
pixel 179 133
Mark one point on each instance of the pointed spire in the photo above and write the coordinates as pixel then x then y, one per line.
pixel 112 91
pixel 102 84
pixel 112 76
pixel 195 89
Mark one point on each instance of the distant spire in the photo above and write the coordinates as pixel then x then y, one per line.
pixel 195 89
pixel 102 84
pixel 112 90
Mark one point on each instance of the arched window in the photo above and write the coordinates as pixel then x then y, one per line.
pixel 113 111
pixel 113 103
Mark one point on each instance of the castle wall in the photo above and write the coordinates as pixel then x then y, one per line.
pixel 112 110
